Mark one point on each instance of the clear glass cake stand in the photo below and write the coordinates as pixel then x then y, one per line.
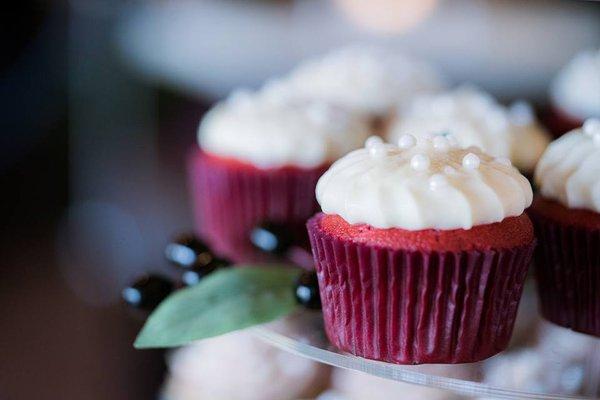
pixel 551 363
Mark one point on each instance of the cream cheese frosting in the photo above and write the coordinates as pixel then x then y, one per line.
pixel 576 89
pixel 424 183
pixel 475 118
pixel 569 170
pixel 271 130
pixel 365 79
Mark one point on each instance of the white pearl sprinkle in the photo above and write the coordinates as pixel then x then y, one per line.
pixel 471 161
pixel 377 150
pixel 441 143
pixel 596 139
pixel 437 181
pixel 407 141
pixel 591 126
pixel 503 161
pixel 420 162
pixel 373 141
pixel 448 170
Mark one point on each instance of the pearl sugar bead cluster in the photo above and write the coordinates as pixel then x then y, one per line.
pixel 421 162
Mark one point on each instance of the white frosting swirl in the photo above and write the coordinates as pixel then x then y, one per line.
pixel 270 131
pixel 369 80
pixel 569 170
pixel 425 186
pixel 474 118
pixel 576 89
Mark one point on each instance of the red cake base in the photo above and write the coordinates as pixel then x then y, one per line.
pixel 568 265
pixel 431 303
pixel 231 197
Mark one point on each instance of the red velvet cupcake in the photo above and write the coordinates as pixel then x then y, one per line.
pixel 421 251
pixel 574 94
pixel 259 160
pixel 567 220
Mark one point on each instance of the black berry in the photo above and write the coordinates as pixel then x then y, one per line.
pixel 271 238
pixel 147 292
pixel 187 251
pixel 196 273
pixel 307 291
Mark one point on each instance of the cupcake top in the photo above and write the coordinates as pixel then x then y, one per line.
pixel 476 119
pixel 425 183
pixel 569 170
pixel 369 80
pixel 271 131
pixel 576 88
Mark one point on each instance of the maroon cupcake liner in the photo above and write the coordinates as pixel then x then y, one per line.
pixel 567 267
pixel 229 199
pixel 412 307
pixel 559 123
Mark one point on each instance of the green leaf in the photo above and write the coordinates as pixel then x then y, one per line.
pixel 224 301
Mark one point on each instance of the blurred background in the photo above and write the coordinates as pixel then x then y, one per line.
pixel 100 102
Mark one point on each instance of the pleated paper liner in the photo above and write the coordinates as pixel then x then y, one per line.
pixel 559 122
pixel 567 268
pixel 229 199
pixel 411 307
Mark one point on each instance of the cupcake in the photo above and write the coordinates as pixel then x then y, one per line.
pixel 475 118
pixel 574 93
pixel 259 160
pixel 566 215
pixel 421 251
pixel 370 81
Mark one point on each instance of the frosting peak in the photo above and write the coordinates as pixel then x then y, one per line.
pixel 569 170
pixel 475 119
pixel 270 129
pixel 576 89
pixel 422 186
pixel 364 79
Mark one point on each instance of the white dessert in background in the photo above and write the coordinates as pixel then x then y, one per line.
pixel 569 170
pixel 271 130
pixel 562 362
pixel 475 118
pixel 363 79
pixel 352 385
pixel 239 366
pixel 576 89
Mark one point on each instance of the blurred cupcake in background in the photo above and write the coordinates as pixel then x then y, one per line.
pixel 575 93
pixel 566 215
pixel 429 242
pixel 561 362
pixel 370 81
pixel 475 118
pixel 239 366
pixel 352 385
pixel 259 160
